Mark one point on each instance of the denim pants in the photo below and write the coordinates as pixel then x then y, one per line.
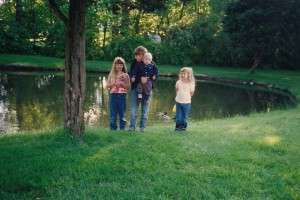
pixel 145 104
pixel 182 112
pixel 117 108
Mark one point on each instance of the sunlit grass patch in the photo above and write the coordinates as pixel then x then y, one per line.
pixel 271 140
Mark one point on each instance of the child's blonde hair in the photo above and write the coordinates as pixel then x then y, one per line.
pixel 190 73
pixel 113 72
pixel 148 55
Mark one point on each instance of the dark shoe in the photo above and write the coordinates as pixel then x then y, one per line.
pixel 176 127
pixel 180 127
pixel 131 129
pixel 185 125
pixel 142 130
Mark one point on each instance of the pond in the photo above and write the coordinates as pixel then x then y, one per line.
pixel 34 101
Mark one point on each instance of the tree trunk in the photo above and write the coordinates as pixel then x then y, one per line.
pixel 159 25
pixel 256 61
pixel 182 10
pixel 75 74
pixel 115 29
pixel 125 18
pixel 137 22
pixel 104 34
pixel 18 11
pixel 34 24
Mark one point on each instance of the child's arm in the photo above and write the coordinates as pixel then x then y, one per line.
pixel 133 79
pixel 110 83
pixel 176 87
pixel 192 89
pixel 132 72
pixel 125 84
pixel 155 74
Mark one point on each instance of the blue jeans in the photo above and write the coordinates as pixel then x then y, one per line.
pixel 117 107
pixel 145 104
pixel 182 112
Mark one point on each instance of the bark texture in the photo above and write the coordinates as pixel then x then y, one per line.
pixel 75 73
pixel 75 70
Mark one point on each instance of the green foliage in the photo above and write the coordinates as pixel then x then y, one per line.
pixel 14 38
pixel 201 43
pixel 54 44
pixel 267 29
pixel 124 46
pixel 215 32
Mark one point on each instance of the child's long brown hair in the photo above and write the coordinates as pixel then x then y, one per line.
pixel 113 72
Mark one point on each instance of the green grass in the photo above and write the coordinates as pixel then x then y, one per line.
pixel 254 157
pixel 44 62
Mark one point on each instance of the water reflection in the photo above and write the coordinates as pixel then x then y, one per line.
pixel 35 101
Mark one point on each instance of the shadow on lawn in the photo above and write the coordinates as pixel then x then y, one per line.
pixel 34 162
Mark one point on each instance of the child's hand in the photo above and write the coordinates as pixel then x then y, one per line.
pixel 144 79
pixel 133 79
pixel 153 77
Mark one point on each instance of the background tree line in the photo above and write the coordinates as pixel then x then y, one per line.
pixel 244 33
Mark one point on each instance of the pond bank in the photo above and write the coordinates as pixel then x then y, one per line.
pixel 283 82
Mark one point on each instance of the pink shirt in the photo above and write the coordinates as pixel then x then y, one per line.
pixel 184 90
pixel 118 90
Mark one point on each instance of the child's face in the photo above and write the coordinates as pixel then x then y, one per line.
pixel 139 57
pixel 119 67
pixel 184 76
pixel 147 60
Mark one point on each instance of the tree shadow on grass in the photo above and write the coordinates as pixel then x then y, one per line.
pixel 33 164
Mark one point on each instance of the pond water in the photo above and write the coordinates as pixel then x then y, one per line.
pixel 34 101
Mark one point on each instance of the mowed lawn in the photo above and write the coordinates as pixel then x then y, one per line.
pixel 255 157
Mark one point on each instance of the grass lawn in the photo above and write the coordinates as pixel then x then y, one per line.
pixel 252 157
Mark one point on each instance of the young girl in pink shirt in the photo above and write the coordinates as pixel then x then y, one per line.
pixel 185 88
pixel 118 84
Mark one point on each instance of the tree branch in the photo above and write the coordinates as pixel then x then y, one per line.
pixel 57 12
